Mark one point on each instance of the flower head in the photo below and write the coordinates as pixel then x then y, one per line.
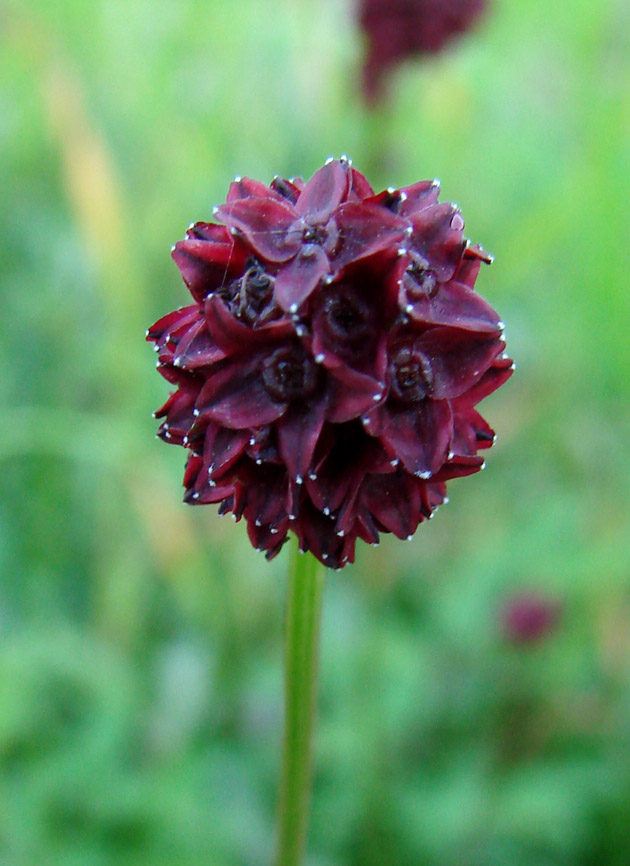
pixel 327 372
pixel 397 29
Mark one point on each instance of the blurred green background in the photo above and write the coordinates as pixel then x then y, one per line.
pixel 141 640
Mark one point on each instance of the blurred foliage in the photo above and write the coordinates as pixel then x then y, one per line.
pixel 140 640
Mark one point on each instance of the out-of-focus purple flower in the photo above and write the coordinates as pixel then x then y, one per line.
pixel 397 29
pixel 327 373
pixel 528 618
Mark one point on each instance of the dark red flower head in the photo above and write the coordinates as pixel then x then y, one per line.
pixel 397 29
pixel 327 372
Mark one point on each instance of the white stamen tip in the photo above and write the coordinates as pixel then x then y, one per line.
pixel 377 397
pixel 185 441
pixel 190 227
pixel 301 550
pixel 446 500
pixel 258 461
pixel 257 522
pixel 403 196
pixel 252 441
pixel 292 516
pixel 237 178
pixel 394 462
pixel 312 476
pixel 196 413
pixel 274 530
pixel 341 533
pixel 329 279
pixel 513 365
pixel 293 308
pixel 299 479
pixel 409 231
pixel 300 330
pixel 450 456
pixel 501 326
pixel 195 495
pixel 326 511
pixel 329 160
pixel 173 248
pixel 483 465
pixel 409 538
pixel 319 359
pixel 401 251
pixel 409 308
pixel 391 190
pixel 424 475
pixel 215 210
pixel 437 182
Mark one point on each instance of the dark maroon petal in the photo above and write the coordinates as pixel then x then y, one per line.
pixel 206 265
pixel 360 188
pixel 222 448
pixel 300 277
pixel 497 375
pixel 235 337
pixel 394 501
pixel 419 196
pixel 459 468
pixel 470 433
pixel 245 187
pixel 174 321
pixel 420 436
pixel 197 348
pixel 366 230
pixel 270 226
pixel 265 499
pixel 350 394
pixel 287 189
pixel 438 237
pixel 452 304
pixel 237 398
pixel 208 232
pixel 298 432
pixel 323 193
pixel 458 359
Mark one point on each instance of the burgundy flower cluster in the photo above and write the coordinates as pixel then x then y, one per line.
pixel 327 370
pixel 397 29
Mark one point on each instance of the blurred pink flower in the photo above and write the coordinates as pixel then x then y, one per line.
pixel 397 29
pixel 528 618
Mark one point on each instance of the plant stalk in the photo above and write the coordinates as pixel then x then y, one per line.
pixel 303 618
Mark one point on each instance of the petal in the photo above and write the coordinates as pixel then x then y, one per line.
pixel 300 277
pixel 266 495
pixel 420 436
pixel 393 501
pixel 418 196
pixel 237 398
pixel 458 359
pixel 181 318
pixel 234 336
pixel 350 394
pixel 359 186
pixel 222 448
pixel 459 468
pixel 470 433
pixel 286 188
pixel 298 432
pixel 366 230
pixel 207 265
pixel 438 237
pixel 208 232
pixel 197 348
pixel 323 193
pixel 270 226
pixel 499 372
pixel 452 304
pixel 245 187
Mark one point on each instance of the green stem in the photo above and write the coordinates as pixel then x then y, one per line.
pixel 304 607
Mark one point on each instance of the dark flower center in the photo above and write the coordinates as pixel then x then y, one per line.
pixel 315 235
pixel 290 374
pixel 348 319
pixel 422 282
pixel 410 375
pixel 250 297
